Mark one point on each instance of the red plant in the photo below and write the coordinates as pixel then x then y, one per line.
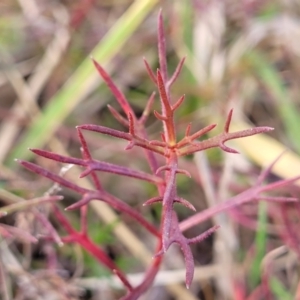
pixel 171 150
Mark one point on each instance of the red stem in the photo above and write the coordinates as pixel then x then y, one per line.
pixel 148 279
pixel 98 253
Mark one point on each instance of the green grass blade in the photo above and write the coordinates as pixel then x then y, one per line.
pixel 260 244
pixel 74 90
pixel 279 290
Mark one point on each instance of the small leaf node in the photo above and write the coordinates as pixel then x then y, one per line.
pixel 178 103
pixel 188 139
pixel 176 73
pixel 150 72
pixel 153 200
pixel 184 172
pixel 131 125
pixel 85 199
pixel 202 131
pixel 158 143
pixel 162 168
pixel 226 148
pixel 160 116
pixel 228 120
pixel 182 201
pixel 188 130
pixel 163 95
pixel 130 145
pixel 204 235
pixel 185 203
pixel 147 109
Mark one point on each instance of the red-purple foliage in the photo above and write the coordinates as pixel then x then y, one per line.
pixel 164 177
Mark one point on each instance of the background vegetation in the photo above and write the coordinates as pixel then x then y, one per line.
pixel 241 54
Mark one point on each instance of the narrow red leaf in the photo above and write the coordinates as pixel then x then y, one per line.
pixel 166 106
pixel 118 116
pixel 114 89
pixel 87 156
pixel 162 47
pixel 147 109
pixel 95 165
pixel 203 235
pixel 53 177
pixel 178 102
pixel 131 124
pixel 219 140
pixel 150 72
pixel 176 73
pixel 159 116
pixel 158 143
pixel 188 130
pixel 228 121
pixel 176 200
pixel 143 143
pixel 58 157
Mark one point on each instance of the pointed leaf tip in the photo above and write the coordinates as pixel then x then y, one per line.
pixel 269 128
pixel 160 13
pixel 228 121
pixel 184 172
pixel 69 208
pixel 162 168
pixel 60 244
